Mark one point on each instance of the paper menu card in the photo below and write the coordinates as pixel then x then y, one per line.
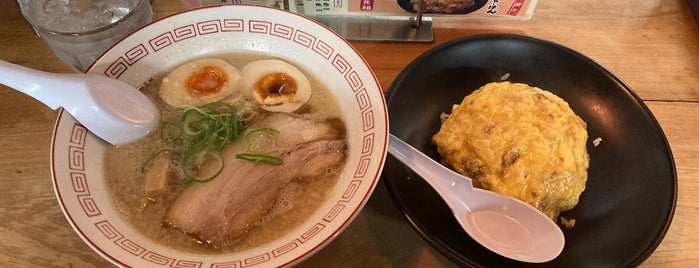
pixel 522 9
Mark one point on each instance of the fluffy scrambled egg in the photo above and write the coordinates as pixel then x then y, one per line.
pixel 519 141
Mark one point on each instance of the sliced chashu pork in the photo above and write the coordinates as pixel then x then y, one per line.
pixel 221 210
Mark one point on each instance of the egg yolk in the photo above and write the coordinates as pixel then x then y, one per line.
pixel 206 81
pixel 276 84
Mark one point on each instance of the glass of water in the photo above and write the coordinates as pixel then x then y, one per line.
pixel 79 31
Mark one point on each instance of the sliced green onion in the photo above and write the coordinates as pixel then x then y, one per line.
pixel 205 132
pixel 258 130
pixel 256 152
pixel 190 166
pixel 252 142
pixel 261 158
pixel 152 158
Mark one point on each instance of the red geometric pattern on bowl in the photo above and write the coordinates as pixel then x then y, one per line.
pixel 167 38
pixel 76 164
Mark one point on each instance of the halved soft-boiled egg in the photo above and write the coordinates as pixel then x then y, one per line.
pixel 200 82
pixel 277 86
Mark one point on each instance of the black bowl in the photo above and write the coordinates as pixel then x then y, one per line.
pixel 631 191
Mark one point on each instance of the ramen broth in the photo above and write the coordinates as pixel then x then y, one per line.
pixel 295 203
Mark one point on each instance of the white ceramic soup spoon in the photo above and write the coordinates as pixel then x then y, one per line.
pixel 504 225
pixel 111 109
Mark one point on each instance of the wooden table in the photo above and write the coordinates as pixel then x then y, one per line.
pixel 652 45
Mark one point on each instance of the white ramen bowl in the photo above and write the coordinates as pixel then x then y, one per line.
pixel 77 155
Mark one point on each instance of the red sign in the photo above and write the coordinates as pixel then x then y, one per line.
pixel 516 6
pixel 366 5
